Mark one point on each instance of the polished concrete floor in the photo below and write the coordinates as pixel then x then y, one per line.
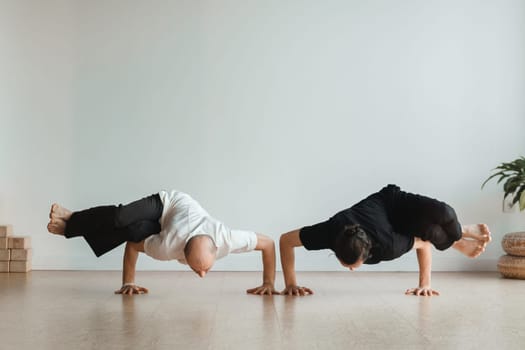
pixel 359 310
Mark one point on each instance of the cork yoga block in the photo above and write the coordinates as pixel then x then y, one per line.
pixel 6 230
pixel 5 254
pixel 21 254
pixel 512 266
pixel 19 266
pixel 3 242
pixel 21 242
pixel 514 243
pixel 4 266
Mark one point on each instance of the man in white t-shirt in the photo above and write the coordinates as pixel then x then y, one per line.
pixel 166 226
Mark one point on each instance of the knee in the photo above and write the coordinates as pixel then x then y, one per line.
pixel 134 236
pixel 456 232
pixel 450 223
pixel 445 229
pixel 446 213
pixel 142 229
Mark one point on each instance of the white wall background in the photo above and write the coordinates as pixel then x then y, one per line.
pixel 273 114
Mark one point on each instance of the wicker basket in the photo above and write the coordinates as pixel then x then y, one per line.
pixel 512 266
pixel 514 243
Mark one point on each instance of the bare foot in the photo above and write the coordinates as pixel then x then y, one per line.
pixel 470 247
pixel 479 232
pixel 59 212
pixel 57 226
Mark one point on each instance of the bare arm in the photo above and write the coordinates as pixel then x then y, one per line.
pixel 424 259
pixel 267 247
pixel 131 254
pixel 287 244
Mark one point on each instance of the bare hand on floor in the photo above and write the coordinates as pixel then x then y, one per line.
pixel 422 291
pixel 265 289
pixel 297 291
pixel 131 289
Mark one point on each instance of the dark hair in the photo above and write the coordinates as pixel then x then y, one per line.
pixel 352 244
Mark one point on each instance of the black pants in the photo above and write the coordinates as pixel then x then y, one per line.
pixel 424 217
pixel 107 227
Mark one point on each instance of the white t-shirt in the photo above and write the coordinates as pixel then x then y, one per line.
pixel 182 218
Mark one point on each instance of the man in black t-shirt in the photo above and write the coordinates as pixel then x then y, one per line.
pixel 382 227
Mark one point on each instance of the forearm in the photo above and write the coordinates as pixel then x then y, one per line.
pixel 268 258
pixel 129 264
pixel 287 262
pixel 424 258
pixel 267 247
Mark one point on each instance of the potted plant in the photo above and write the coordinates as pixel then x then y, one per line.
pixel 512 265
pixel 514 175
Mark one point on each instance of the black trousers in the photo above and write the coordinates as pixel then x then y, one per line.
pixel 107 227
pixel 427 218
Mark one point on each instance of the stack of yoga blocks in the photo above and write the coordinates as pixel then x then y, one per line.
pixel 15 251
pixel 512 265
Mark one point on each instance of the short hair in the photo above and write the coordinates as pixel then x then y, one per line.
pixel 190 243
pixel 352 244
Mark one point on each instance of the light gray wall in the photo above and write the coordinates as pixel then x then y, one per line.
pixel 273 114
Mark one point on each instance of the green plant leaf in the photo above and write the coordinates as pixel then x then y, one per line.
pixel 503 176
pixel 518 193
pixel 512 174
pixel 511 185
pixel 492 176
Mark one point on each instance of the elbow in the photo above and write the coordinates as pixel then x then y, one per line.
pixel 284 240
pixel 135 246
pixel 264 242
pixel 290 240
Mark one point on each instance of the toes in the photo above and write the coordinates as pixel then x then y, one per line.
pixel 53 212
pixel 51 228
pixel 56 226
pixel 485 232
pixel 479 249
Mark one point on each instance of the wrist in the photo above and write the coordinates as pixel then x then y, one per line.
pixel 290 283
pixel 424 282
pixel 127 284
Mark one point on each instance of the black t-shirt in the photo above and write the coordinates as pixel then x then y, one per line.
pixel 372 214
